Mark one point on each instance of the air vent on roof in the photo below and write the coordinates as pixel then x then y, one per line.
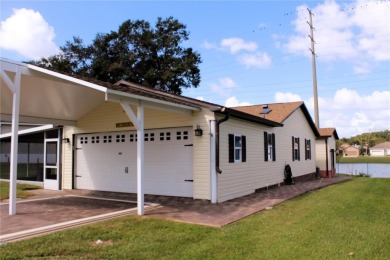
pixel 265 111
pixel 265 106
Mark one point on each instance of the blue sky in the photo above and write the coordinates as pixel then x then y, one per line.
pixel 253 52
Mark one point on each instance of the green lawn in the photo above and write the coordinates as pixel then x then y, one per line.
pixel 344 221
pixel 363 159
pixel 22 190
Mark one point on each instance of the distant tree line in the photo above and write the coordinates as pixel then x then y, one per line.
pixel 366 140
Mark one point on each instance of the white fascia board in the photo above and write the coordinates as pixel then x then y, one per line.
pixel 68 78
pixel 39 120
pixel 118 96
pixel 29 130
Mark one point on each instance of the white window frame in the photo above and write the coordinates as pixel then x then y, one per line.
pixel 308 149
pixel 296 148
pixel 269 145
pixel 237 148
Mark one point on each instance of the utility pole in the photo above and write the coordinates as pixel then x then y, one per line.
pixel 313 68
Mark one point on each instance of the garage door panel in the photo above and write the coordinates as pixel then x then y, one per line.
pixel 102 160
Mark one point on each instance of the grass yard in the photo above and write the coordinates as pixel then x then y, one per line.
pixel 363 159
pixel 344 221
pixel 22 190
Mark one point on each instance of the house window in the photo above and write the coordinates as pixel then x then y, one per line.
pixel 269 147
pixel 237 148
pixel 295 149
pixel 307 149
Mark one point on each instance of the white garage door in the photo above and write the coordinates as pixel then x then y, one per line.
pixel 108 162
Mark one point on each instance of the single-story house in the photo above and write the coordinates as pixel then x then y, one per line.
pixel 326 152
pixel 348 150
pixel 382 149
pixel 189 148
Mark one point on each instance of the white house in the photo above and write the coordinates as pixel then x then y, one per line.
pixel 326 152
pixel 188 148
pixel 382 149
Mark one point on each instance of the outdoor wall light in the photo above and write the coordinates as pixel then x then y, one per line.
pixel 66 140
pixel 198 131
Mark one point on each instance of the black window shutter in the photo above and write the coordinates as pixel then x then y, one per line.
pixel 231 148
pixel 305 149
pixel 243 147
pixel 265 146
pixel 293 150
pixel 273 148
pixel 309 149
pixel 299 150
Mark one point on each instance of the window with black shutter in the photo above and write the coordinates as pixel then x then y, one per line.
pixel 307 149
pixel 237 148
pixel 295 149
pixel 269 147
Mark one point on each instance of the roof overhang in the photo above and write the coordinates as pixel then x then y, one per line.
pixel 248 117
pixel 51 97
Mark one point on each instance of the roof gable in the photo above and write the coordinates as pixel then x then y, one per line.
pixel 384 145
pixel 279 112
pixel 328 132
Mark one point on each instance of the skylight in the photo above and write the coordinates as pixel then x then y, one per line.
pixel 265 111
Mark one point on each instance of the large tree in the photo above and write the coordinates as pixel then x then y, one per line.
pixel 137 52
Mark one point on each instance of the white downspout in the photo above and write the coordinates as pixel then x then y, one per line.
pixel 213 173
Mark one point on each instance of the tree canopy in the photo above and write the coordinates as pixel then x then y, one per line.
pixel 136 52
pixel 367 139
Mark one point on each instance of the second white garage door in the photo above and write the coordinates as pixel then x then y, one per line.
pixel 108 162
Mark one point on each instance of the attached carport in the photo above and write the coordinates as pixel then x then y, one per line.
pixel 31 94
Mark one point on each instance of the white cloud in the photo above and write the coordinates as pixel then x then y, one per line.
pixel 209 45
pixel 27 33
pixel 233 102
pixel 201 98
pixel 224 86
pixel 258 60
pixel 357 32
pixel 235 45
pixel 281 97
pixel 247 51
pixel 353 113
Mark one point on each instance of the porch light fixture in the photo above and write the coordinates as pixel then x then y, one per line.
pixel 198 131
pixel 66 140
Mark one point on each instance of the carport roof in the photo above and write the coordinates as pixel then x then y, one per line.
pixel 52 97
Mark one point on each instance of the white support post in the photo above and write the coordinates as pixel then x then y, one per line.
pixel 213 172
pixel 14 142
pixel 138 122
pixel 140 160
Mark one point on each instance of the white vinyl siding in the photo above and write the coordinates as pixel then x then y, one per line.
pixel 241 179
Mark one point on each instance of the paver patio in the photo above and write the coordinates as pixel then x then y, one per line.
pixel 50 211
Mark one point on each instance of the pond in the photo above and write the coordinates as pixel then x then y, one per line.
pixel 375 170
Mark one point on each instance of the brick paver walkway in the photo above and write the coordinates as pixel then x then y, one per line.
pixel 49 208
pixel 218 215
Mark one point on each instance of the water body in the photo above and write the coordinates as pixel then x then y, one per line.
pixel 375 170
